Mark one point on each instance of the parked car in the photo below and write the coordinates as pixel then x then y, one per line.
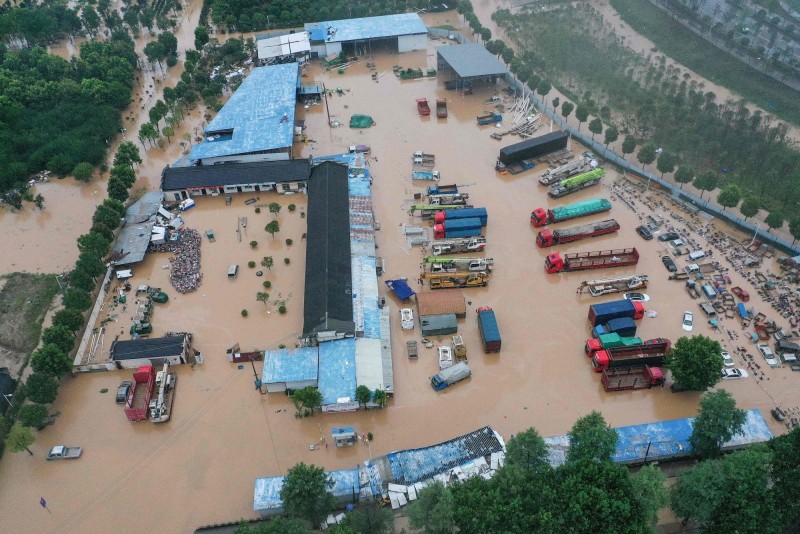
pixel 407 319
pixel 669 236
pixel 636 297
pixel 644 232
pixel 122 391
pixel 768 355
pixel 727 360
pixel 669 264
pixel 727 374
pixel 688 321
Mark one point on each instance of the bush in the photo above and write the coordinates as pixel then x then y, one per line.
pixel 282 309
pixel 172 61
pixel 32 415
pixel 244 313
pixel 287 261
pixel 267 284
pixel 258 210
pixel 289 242
pixel 281 346
pixel 291 207
pixel 253 244
pixel 369 436
pixel 251 264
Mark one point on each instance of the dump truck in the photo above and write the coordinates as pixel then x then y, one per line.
pixel 448 199
pixel 581 261
pixel 490 333
pixel 455 280
pixel 430 176
pixel 450 376
pixel 604 312
pixel 138 400
pixel 541 216
pixel 479 213
pixel 576 183
pixel 441 108
pixel 628 378
pixel 533 148
pixel 549 238
pixel 450 189
pixel 578 165
pixel 515 168
pixel 489 118
pixel 458 246
pixel 652 354
pixel 609 341
pixel 451 265
pixel 457 228
pixel 62 452
pixel 624 326
pixel 606 286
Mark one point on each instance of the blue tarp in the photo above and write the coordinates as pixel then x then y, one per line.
pixel 267 495
pixel 742 310
pixel 400 288
pixel 337 370
pixel 284 365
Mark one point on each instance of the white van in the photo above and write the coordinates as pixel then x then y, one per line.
pixel 233 272
pixel 691 268
pixel 124 274
pixel 697 255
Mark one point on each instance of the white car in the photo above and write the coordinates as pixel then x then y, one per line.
pixel 768 355
pixel 637 297
pixel 727 360
pixel 688 321
pixel 727 374
pixel 407 319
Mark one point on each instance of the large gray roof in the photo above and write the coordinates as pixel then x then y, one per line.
pixel 222 174
pixel 134 238
pixel 135 349
pixel 471 59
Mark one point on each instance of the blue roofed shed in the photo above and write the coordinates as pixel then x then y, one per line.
pixel 267 495
pixel 397 33
pixel 257 123
pixel 337 375
pixel 290 369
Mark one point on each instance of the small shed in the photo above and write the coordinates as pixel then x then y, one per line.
pixel 344 436
pixel 438 325
pixel 468 61
pixel 443 301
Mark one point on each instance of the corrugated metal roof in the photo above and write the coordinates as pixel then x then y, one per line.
pixel 134 238
pixel 283 45
pixel 134 349
pixel 267 495
pixel 337 370
pixel 296 365
pixel 470 59
pixel 260 114
pixel 440 302
pixel 369 367
pixel 254 173
pixel 337 31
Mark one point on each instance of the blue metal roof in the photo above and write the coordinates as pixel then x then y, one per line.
pixel 255 113
pixel 297 365
pixel 336 31
pixel 665 439
pixel 267 495
pixel 337 370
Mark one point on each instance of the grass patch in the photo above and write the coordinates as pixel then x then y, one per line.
pixel 707 60
pixel 24 301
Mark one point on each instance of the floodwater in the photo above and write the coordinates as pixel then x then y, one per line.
pixel 200 467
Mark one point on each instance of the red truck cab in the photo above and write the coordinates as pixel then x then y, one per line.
pixel 545 238
pixel 539 217
pixel 554 263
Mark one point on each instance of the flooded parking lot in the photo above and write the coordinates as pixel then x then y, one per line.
pixel 200 467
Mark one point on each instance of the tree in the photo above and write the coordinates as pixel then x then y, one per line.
pixel 32 415
pixel 306 400
pixel 684 175
pixel 773 220
pixel 169 42
pixel 527 450
pixel 71 319
pixel 41 388
pixel 60 336
pixel 649 484
pixel 274 208
pixel 272 228
pixel 581 113
pixel 363 395
pixel 117 190
pixel 51 360
pixel 666 162
pixel 76 299
pixel 129 152
pixel 38 201
pixel 750 207
pixel 80 280
pixel 628 145
pixel 262 297
pixel 591 439
pixel 379 397
pixel 125 174
pixel 706 181
pixel 154 51
pixel 306 493
pixel 647 154
pixel 267 262
pixel 147 131
pixel 486 34
pixel 786 474
pixel 370 518
pixel 20 438
pixel 90 264
pixel 105 216
pixel 276 525
pixel 200 36
pixel 729 197
pixel 556 102
pixel 596 126
pixel 83 172
pixel 432 512
pixel 90 18
pixel 611 135
pixel 116 206
pixel 717 422
pixel 794 229
pixel 544 88
pixel 566 109
pixel 695 362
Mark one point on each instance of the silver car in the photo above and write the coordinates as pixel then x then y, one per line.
pixel 727 360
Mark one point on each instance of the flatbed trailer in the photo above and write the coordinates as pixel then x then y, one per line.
pixel 458 246
pixel 630 378
pixel 581 261
pixel 548 237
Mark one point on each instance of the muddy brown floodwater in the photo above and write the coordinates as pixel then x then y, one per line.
pixel 200 467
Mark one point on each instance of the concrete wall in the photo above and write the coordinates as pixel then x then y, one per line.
pixel 407 43
pixel 332 48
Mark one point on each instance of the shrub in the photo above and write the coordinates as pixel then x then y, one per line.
pixel 253 244
pixel 244 313
pixel 287 261
pixel 267 284
pixel 291 207
pixel 289 242
pixel 251 264
pixel 282 309
pixel 258 210
pixel 369 436
pixel 32 415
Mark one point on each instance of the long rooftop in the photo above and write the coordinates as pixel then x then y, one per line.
pixel 134 238
pixel 366 28
pixel 470 60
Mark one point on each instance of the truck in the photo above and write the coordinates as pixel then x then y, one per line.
pixel 441 108
pixel 542 217
pixel 605 286
pixel 581 261
pixel 422 107
pixel 533 148
pixel 451 375
pixel 160 406
pixel 691 288
pixel 515 168
pixel 431 176
pixel 551 176
pixel 139 395
pixel 457 228
pixel 451 265
pixel 629 378
pixel 490 333
pixel 437 189
pixel 604 312
pixel 489 118
pixel 576 183
pixel 548 238
pixel 479 213
pixel 624 326
pixel 429 211
pixel 458 246
pixel 448 199
pixel 422 158
pixel 455 280
pixel 652 354
pixel 609 341
pixel 62 452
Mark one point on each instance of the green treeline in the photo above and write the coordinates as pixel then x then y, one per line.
pixel 55 114
pixel 655 103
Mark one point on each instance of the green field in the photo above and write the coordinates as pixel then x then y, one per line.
pixel 24 301
pixel 707 60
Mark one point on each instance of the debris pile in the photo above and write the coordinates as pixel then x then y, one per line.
pixel 185 275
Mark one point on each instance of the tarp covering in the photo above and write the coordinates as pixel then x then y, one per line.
pixel 400 288
pixel 361 121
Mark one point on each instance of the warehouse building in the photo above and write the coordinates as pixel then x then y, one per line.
pixel 131 244
pixel 468 62
pixel 393 33
pixel 134 353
